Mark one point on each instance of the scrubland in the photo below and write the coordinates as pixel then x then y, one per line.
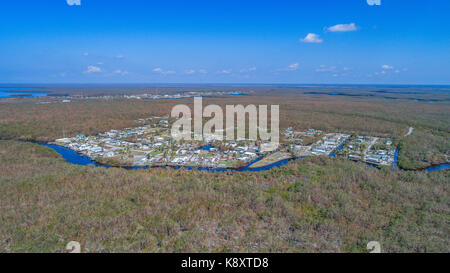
pixel 311 205
pixel 374 116
pixel 316 204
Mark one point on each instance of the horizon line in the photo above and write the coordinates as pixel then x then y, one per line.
pixel 220 83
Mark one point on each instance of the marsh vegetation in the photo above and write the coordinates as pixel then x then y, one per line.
pixel 316 204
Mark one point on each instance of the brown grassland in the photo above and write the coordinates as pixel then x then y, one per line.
pixel 429 144
pixel 311 205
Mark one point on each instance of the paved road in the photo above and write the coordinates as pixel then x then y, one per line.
pixel 370 146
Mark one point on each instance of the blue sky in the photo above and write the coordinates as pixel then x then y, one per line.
pixel 320 41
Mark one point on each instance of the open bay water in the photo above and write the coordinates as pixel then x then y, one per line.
pixel 10 92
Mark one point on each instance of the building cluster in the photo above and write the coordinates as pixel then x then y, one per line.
pixel 372 150
pixel 329 143
pixel 150 96
pixel 152 144
pixel 314 142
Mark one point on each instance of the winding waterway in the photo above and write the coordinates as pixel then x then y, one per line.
pixel 73 157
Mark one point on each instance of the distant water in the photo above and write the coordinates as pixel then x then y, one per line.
pixel 6 92
pixel 372 95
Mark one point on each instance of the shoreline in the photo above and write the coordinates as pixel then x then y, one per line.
pixel 289 158
pixel 431 168
pixel 153 165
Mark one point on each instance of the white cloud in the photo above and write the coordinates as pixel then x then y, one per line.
pixel 189 71
pixel 343 28
pixel 247 70
pixel 163 72
pixel 120 57
pixel 202 71
pixel 374 2
pixel 312 38
pixel 324 68
pixel 224 71
pixel 73 2
pixel 93 69
pixel 121 72
pixel 85 54
pixel 387 67
pixel 293 67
